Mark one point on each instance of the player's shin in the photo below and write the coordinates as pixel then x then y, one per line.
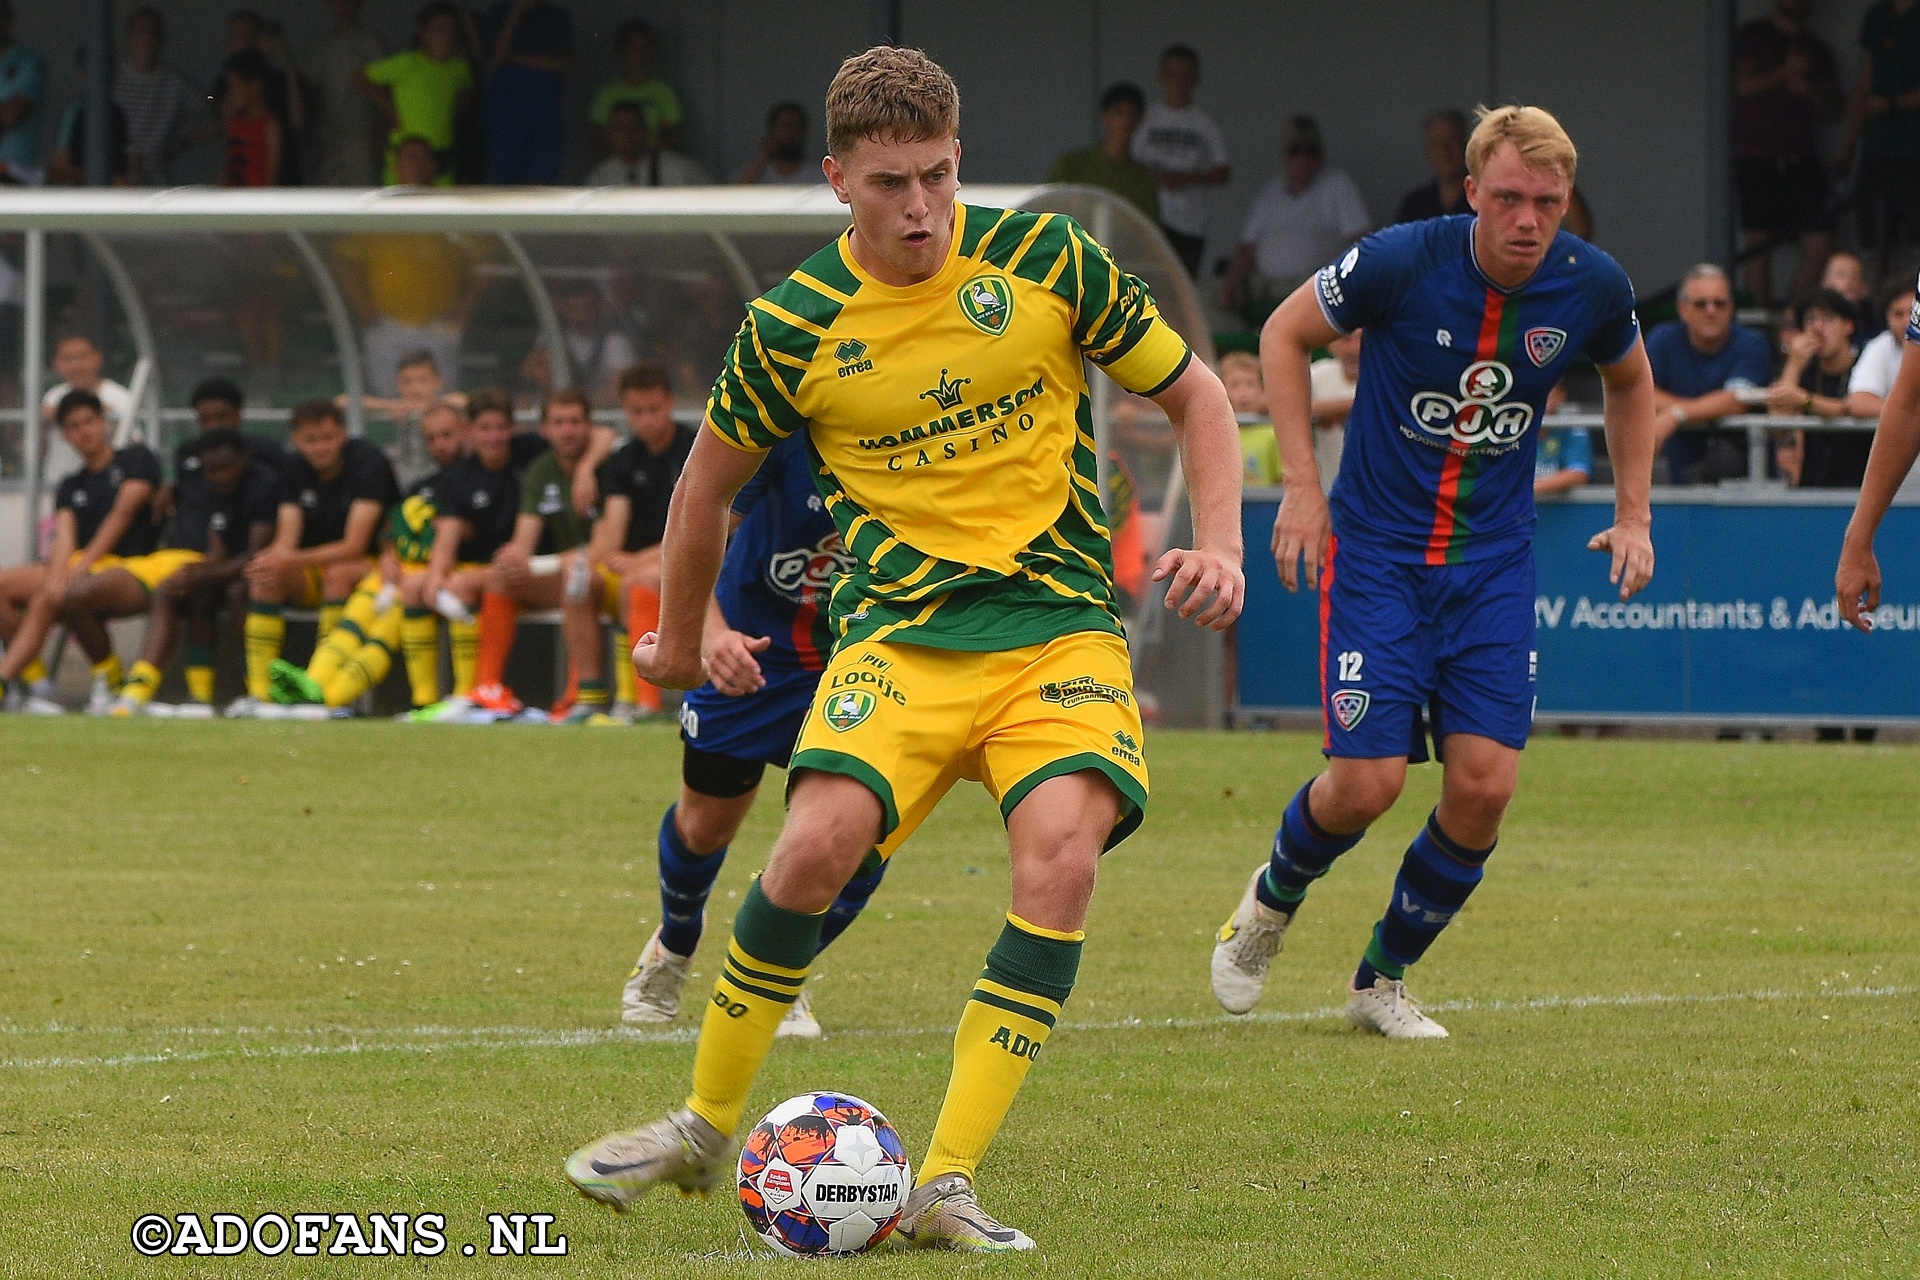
pixel 686 879
pixel 142 682
pixel 499 621
pixel 1436 878
pixel 853 898
pixel 765 967
pixel 1029 974
pixel 368 664
pixel 266 634
pixel 624 679
pixel 463 648
pixel 1302 853
pixel 200 672
pixel 337 643
pixel 420 642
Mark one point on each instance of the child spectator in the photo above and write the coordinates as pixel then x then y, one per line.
pixel 637 163
pixel 254 136
pixel 1813 382
pixel 528 44
pixel 422 90
pixel 782 159
pixel 634 40
pixel 1879 361
pixel 1259 450
pixel 348 129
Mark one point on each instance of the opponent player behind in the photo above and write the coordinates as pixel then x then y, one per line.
pixel 766 643
pixel 102 519
pixel 1896 442
pixel 635 485
pixel 975 638
pixel 333 492
pixel 388 614
pixel 1425 562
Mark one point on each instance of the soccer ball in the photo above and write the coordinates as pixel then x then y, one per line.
pixel 823 1174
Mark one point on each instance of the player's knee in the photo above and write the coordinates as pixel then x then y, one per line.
pixel 340 578
pixel 1481 794
pixel 1351 799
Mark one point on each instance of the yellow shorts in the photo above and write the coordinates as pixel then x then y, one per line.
pixel 909 721
pixel 151 569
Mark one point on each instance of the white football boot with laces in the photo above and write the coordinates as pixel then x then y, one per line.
pixel 1245 948
pixel 799 1023
pixel 946 1214
pixel 652 993
pixel 1386 1008
pixel 681 1150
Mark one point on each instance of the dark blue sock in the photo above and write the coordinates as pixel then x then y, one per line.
pixel 686 879
pixel 1436 878
pixel 1302 852
pixel 852 900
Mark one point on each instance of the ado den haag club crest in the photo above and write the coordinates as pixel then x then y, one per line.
pixel 1349 706
pixel 846 710
pixel 988 303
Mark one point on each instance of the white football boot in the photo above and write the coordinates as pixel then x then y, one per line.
pixel 946 1214
pixel 799 1022
pixel 244 707
pixel 1386 1008
pixel 681 1149
pixel 101 697
pixel 652 993
pixel 1245 948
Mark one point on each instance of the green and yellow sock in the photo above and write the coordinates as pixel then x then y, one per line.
pixel 109 667
pixel 368 665
pixel 338 642
pixel 1029 974
pixel 142 682
pixel 593 693
pixel 463 638
pixel 266 632
pixel 420 643
pixel 766 965
pixel 623 677
pixel 199 661
pixel 331 611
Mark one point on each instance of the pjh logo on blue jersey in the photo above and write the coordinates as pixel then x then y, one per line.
pixel 1481 414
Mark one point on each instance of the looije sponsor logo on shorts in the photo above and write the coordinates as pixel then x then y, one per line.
pixel 849 709
pixel 1071 693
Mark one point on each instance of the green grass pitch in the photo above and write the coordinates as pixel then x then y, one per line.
pixel 375 968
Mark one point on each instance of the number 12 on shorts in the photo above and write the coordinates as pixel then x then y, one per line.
pixel 1350 663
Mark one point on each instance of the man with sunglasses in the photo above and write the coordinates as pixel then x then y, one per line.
pixel 1702 364
pixel 1305 215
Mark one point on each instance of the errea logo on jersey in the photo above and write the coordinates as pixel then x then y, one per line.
pixel 1480 414
pixel 852 355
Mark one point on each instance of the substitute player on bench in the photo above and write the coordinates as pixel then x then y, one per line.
pixel 1425 562
pixel 977 635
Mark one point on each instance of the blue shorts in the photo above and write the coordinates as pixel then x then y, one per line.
pixel 761 727
pixel 1408 649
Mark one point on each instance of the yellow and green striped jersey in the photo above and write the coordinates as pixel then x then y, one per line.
pixel 950 427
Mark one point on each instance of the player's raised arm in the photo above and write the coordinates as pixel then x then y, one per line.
pixel 1287 342
pixel 1208 585
pixel 691 551
pixel 1896 443
pixel 1628 387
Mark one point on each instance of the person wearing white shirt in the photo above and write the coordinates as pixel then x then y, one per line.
pixel 1187 153
pixel 636 162
pixel 1879 361
pixel 78 362
pixel 1299 222
pixel 1333 381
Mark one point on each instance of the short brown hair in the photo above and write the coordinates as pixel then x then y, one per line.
pixel 311 411
pixel 896 95
pixel 645 376
pixel 1534 133
pixel 566 395
pixel 492 400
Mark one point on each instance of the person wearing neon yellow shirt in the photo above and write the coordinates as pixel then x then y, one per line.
pixel 422 90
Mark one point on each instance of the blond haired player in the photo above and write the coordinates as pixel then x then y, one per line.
pixel 933 356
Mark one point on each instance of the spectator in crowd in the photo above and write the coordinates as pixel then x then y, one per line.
pixel 1565 458
pixel 528 45
pixel 254 135
pixel 1705 367
pixel 597 350
pixel 1301 220
pixel 1786 87
pixel 782 158
pixel 1879 361
pixel 1109 162
pixel 1884 123
pixel 658 103
pixel 23 91
pixel 421 91
pixel 68 168
pixel 421 387
pixel 1332 381
pixel 1247 393
pixel 348 130
pixel 635 161
pixel 1813 383
pixel 291 98
pixel 1444 139
pixel 165 113
pixel 80 367
pixel 1187 153
pixel 411 292
pixel 1846 275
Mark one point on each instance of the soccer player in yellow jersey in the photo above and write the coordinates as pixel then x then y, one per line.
pixel 933 356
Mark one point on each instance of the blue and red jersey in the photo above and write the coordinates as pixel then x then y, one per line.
pixel 1454 374
pixel 781 562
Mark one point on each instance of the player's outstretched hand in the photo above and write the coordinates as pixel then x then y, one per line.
pixel 647 662
pixel 1631 546
pixel 1300 535
pixel 1856 584
pixel 1208 587
pixel 731 665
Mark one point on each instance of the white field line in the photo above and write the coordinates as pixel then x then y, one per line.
pixel 428 1039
